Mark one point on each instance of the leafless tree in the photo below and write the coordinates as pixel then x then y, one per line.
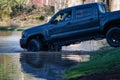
pixel 108 2
pixel 83 1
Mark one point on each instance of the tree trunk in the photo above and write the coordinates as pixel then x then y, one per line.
pixel 108 2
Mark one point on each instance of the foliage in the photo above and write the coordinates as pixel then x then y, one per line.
pixel 12 28
pixel 18 10
pixel 10 6
pixel 40 17
pixel 49 10
pixel 100 62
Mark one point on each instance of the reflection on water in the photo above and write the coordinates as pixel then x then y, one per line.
pixel 10 36
pixel 9 67
pixel 5 33
pixel 38 66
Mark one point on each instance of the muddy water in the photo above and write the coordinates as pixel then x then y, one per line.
pixel 38 66
pixel 9 41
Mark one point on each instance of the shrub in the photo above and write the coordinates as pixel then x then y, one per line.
pixel 40 18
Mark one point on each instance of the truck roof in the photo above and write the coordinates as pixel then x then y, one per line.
pixel 83 5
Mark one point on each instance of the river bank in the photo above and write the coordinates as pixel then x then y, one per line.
pixel 103 65
pixel 12 28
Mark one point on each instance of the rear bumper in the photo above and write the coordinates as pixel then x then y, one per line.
pixel 23 42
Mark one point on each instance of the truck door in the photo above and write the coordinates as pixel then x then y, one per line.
pixel 86 21
pixel 61 25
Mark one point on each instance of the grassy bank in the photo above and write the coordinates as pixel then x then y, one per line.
pixel 12 28
pixel 104 61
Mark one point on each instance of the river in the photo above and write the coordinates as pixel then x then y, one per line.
pixel 17 64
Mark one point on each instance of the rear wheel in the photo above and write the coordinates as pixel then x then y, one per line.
pixel 113 37
pixel 34 45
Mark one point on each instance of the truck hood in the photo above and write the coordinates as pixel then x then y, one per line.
pixel 35 29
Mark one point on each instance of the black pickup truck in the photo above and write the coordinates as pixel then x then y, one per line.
pixel 74 24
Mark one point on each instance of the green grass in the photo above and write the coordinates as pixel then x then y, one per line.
pixel 12 28
pixel 100 62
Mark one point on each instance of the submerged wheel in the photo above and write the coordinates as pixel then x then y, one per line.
pixel 113 37
pixel 54 48
pixel 34 45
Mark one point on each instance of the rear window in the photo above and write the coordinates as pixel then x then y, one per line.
pixel 84 12
pixel 103 8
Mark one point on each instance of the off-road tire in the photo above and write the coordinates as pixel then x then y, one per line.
pixel 113 37
pixel 34 45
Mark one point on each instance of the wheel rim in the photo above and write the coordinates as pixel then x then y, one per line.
pixel 114 38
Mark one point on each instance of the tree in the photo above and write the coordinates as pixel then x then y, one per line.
pixel 107 2
pixel 9 4
pixel 83 1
